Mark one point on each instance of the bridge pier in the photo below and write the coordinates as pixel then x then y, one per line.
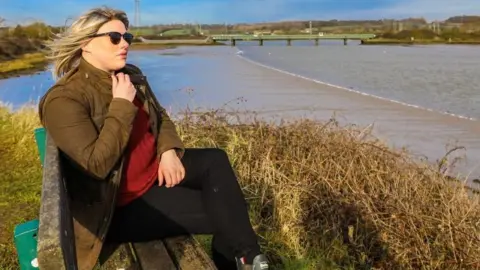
pixel 316 42
pixel 260 42
pixel 289 42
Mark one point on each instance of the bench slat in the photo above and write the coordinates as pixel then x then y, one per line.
pixel 188 253
pixel 117 256
pixel 153 255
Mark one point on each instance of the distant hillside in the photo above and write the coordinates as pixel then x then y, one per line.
pixel 456 23
pixel 463 19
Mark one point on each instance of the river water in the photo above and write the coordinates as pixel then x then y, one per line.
pixel 424 98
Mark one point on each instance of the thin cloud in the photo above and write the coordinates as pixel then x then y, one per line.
pixel 433 9
pixel 428 9
pixel 275 10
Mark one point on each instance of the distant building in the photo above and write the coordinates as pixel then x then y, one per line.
pixel 262 33
pixel 278 32
pixel 308 31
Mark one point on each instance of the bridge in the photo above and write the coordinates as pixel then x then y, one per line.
pixel 261 38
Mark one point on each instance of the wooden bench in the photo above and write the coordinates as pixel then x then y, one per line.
pixel 56 248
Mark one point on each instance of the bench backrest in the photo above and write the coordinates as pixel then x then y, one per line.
pixel 40 139
pixel 56 242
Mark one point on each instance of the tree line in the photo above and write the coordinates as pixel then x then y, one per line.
pixel 462 27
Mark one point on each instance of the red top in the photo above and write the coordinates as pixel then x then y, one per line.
pixel 141 164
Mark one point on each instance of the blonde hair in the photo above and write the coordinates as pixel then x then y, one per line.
pixel 65 49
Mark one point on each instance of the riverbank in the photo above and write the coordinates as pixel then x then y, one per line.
pixel 23 57
pixel 171 44
pixel 20 56
pixel 382 41
pixel 23 65
pixel 324 196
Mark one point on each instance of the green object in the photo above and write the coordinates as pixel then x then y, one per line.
pixel 25 234
pixel 40 138
pixel 25 237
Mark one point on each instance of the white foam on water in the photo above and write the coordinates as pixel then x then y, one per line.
pixel 240 54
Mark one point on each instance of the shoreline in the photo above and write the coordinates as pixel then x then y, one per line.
pixel 393 42
pixel 31 63
pixel 26 64
pixel 414 106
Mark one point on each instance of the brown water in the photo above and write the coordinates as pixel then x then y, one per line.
pixel 219 75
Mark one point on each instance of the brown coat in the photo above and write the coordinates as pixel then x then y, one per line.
pixel 91 130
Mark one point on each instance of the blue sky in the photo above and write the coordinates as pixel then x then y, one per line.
pixel 234 11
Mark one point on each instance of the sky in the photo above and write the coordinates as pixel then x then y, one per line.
pixel 236 11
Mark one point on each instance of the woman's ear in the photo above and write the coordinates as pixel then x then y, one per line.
pixel 86 46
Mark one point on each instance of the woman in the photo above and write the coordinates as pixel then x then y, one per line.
pixel 128 174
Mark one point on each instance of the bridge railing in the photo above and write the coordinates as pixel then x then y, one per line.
pixel 293 37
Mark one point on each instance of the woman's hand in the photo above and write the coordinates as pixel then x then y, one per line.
pixel 122 87
pixel 171 170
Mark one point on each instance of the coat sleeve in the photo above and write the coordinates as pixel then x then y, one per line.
pixel 168 137
pixel 67 120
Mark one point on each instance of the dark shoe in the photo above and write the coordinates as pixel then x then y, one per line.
pixel 260 262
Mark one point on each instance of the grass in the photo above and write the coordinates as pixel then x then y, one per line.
pixel 176 32
pixel 141 31
pixel 321 195
pixel 20 178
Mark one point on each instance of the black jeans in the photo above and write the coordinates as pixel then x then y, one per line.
pixel 207 201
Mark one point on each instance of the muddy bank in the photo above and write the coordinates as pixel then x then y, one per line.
pixel 21 56
pixel 26 64
pixel 169 44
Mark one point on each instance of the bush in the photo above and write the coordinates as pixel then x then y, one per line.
pixel 407 34
pixel 12 48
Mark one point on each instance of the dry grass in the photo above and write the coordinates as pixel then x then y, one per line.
pixel 321 196
pixel 20 178
pixel 337 197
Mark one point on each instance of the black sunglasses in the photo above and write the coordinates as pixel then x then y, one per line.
pixel 116 37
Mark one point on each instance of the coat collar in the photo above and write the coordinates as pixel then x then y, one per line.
pixel 90 71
